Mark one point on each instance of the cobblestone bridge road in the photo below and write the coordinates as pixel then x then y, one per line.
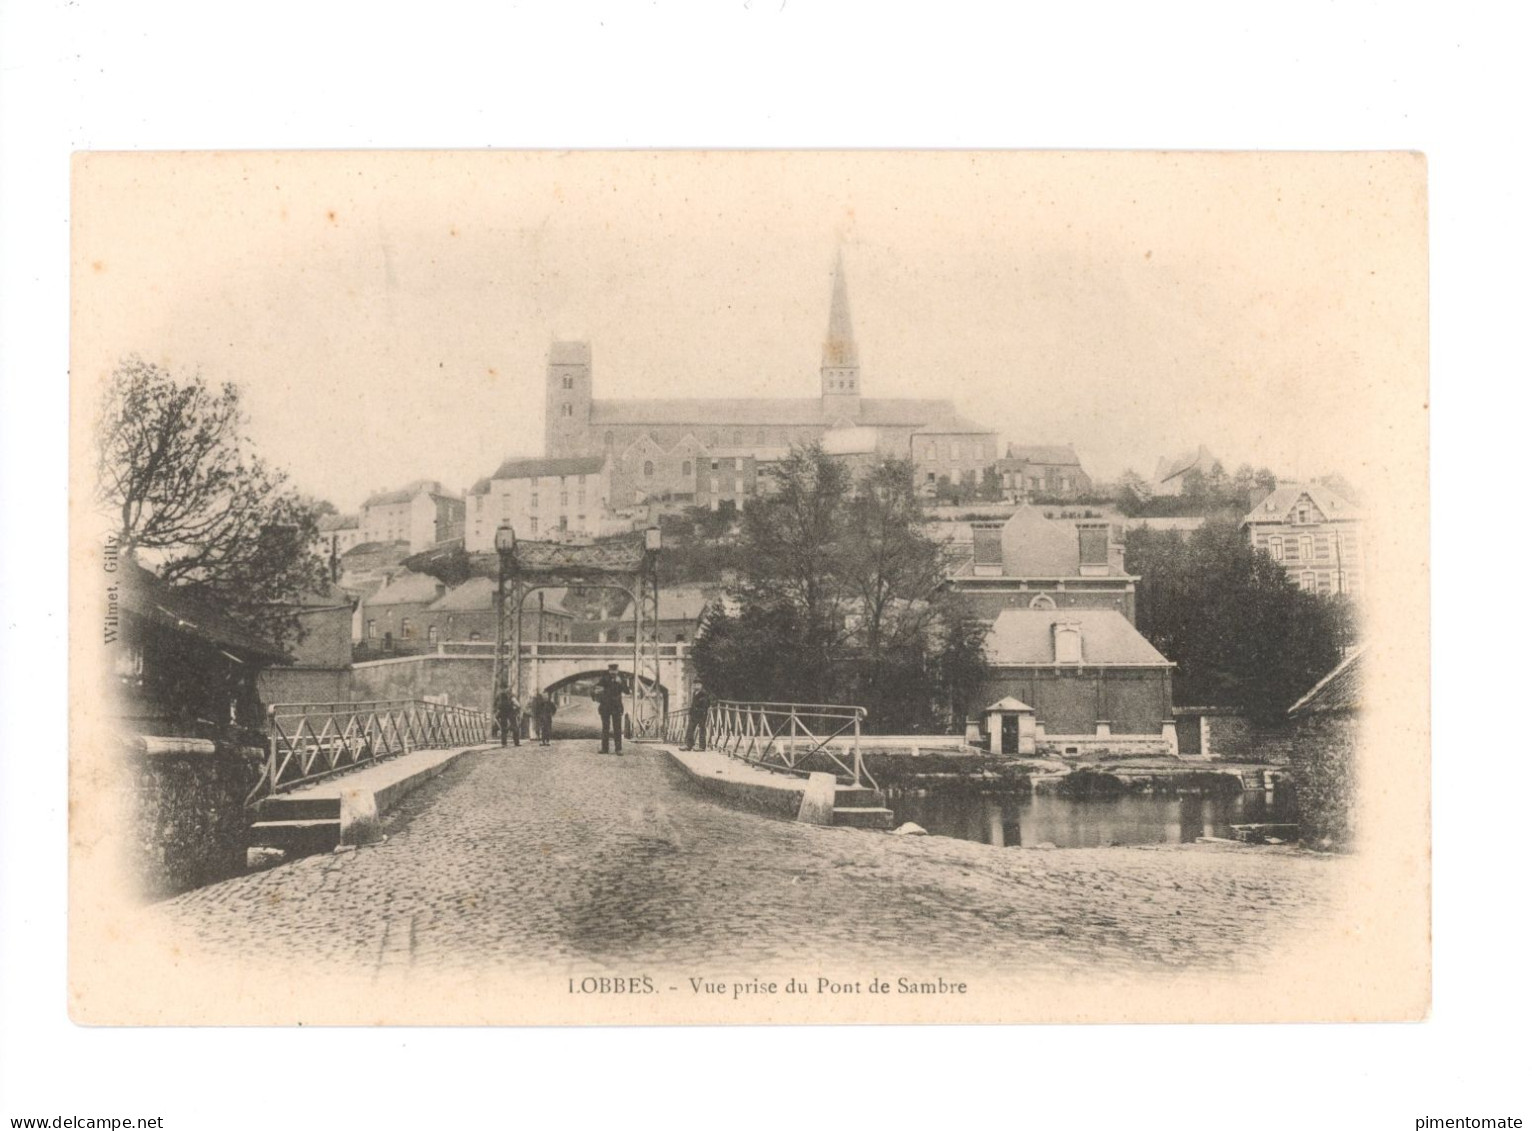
pixel 565 858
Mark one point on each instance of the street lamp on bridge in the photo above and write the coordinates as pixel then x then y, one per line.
pixel 505 548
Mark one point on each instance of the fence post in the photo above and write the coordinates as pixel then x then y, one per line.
pixel 856 744
pixel 271 748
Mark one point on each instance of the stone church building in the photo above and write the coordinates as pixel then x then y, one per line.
pixel 666 449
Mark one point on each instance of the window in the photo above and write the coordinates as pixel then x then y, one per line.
pixel 1306 581
pixel 405 631
pixel 564 500
pixel 372 630
pixel 1066 643
pixel 1323 587
pixel 563 522
pixel 648 468
pixel 431 634
pixel 1306 547
pixel 569 382
pixel 930 451
pixel 739 486
pixel 532 505
pixel 956 451
pixel 566 410
pixel 1042 601
pixel 1274 547
pixel 1340 582
pixel 610 439
pixel 473 635
pixel 686 468
pixel 739 437
pixel 713 484
pixel 739 464
pixel 534 524
pixel 714 465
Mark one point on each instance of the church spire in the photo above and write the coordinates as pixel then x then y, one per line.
pixel 840 375
pixel 840 343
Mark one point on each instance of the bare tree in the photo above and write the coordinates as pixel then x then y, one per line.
pixel 189 497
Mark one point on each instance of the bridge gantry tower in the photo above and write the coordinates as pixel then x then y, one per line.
pixel 629 565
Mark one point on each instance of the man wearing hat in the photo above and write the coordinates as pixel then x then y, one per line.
pixel 609 704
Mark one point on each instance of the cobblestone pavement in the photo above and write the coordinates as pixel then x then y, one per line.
pixel 559 857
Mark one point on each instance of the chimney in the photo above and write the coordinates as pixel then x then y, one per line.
pixel 1095 548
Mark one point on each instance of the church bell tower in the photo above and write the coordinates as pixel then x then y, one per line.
pixel 566 429
pixel 840 375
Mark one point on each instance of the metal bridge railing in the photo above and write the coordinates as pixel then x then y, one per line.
pixel 792 737
pixel 308 741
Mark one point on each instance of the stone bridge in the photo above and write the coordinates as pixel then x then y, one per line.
pixel 463 671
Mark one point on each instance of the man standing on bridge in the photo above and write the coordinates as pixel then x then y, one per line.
pixel 508 716
pixel 543 707
pixel 696 717
pixel 609 704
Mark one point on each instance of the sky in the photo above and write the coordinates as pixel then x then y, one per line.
pixel 388 315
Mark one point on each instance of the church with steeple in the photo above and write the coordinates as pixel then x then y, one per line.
pixel 696 450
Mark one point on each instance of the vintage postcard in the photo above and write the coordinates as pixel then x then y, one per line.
pixel 721 587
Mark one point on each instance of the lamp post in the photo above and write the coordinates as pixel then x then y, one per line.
pixel 648 603
pixel 505 548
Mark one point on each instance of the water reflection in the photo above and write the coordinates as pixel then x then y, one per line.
pixel 1009 820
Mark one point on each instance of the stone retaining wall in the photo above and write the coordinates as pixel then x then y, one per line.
pixel 187 822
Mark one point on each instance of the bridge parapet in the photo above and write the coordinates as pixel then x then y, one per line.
pixel 792 737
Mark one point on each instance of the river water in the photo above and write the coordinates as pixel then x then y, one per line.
pixel 1007 820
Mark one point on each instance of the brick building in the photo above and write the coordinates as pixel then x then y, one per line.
pixel 1092 681
pixel 466 613
pixel 955 450
pixel 1047 470
pixel 1314 533
pixel 1029 561
pixel 318 667
pixel 681 611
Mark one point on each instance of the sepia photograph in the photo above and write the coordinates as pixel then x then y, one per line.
pixel 722 587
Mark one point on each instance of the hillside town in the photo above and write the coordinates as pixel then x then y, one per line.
pixel 844 609
pixel 1035 546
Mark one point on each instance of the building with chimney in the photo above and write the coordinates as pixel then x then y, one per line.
pixel 662 448
pixel 1029 561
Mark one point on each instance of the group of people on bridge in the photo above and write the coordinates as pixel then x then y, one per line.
pixel 508 717
pixel 609 705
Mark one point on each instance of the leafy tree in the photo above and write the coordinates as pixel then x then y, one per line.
pixel 841 600
pixel 1240 633
pixel 187 494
